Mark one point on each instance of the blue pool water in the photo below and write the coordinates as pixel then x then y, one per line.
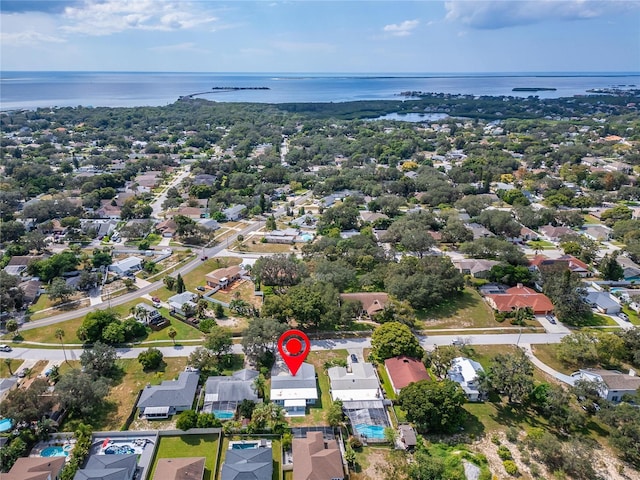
pixel 119 450
pixel 5 424
pixel 370 431
pixel 244 446
pixel 223 414
pixel 55 451
pixel 306 237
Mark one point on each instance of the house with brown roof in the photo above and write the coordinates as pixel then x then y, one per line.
pixel 187 468
pixel 315 458
pixel 404 370
pixel 224 277
pixel 35 468
pixel 553 234
pixel 520 297
pixel 194 213
pixel 19 263
pixel 167 228
pixel 371 302
pixel 477 268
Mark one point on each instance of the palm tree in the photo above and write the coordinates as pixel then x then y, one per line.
pixel 172 334
pixel 259 383
pixel 60 335
pixel 7 362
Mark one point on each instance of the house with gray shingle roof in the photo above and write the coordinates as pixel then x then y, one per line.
pixel 248 464
pixel 170 397
pixel 109 467
pixel 614 384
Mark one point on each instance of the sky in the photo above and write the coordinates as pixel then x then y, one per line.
pixel 355 36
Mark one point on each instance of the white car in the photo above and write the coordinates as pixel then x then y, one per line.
pixel 5 348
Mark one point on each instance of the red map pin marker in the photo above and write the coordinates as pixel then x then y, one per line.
pixel 294 347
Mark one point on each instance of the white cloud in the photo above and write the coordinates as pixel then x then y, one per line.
pixel 497 14
pixel 401 29
pixel 113 16
pixel 28 38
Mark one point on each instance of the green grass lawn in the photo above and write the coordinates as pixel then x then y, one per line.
pixel 598 320
pixel 633 316
pixel 463 311
pixel 540 245
pixel 385 382
pixel 190 446
pixel 547 354
pixel 5 371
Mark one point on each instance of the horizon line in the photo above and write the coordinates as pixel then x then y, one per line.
pixel 371 73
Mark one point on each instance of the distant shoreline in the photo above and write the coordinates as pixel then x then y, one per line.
pixel 534 89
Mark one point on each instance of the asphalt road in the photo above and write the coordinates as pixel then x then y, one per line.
pixel 329 344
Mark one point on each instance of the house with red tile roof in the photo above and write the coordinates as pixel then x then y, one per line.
pixel 520 297
pixel 404 370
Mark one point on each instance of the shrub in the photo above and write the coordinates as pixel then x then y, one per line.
pixel 510 467
pixel 495 439
pixel 512 434
pixel 187 419
pixel 355 443
pixel 504 453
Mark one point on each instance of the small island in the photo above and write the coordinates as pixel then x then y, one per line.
pixel 533 89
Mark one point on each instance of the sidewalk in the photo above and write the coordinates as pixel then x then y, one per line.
pixel 546 368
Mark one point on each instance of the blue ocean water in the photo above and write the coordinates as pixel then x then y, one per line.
pixel 31 90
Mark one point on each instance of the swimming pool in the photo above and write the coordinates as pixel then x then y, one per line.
pixel 306 237
pixel 243 445
pixel 370 431
pixel 5 424
pixel 56 451
pixel 223 414
pixel 119 450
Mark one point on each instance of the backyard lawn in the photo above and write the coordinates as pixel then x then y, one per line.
pixel 190 446
pixel 633 316
pixel 123 394
pixel 465 310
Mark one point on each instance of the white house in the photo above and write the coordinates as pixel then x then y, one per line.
pixel 354 383
pixel 294 393
pixel 614 384
pixel 464 372
pixel 234 213
pixel 126 266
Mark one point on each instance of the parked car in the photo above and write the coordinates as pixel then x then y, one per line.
pixel 354 358
pixel 204 258
pixel 551 319
pixel 21 374
pixel 200 289
pixel 155 299
pixel 157 304
pixel 5 348
pixel 624 316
